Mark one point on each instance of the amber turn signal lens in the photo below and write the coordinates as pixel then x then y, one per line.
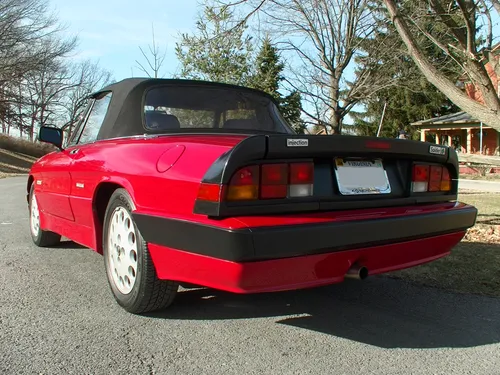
pixel 242 192
pixel 446 180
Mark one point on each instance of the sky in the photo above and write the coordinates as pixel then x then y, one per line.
pixel 112 31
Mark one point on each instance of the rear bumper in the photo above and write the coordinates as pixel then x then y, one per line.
pixel 286 241
pixel 297 272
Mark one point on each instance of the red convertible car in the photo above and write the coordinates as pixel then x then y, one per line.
pixel 178 181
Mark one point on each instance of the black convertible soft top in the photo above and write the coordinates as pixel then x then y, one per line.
pixel 125 115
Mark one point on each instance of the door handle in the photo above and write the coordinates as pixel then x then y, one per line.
pixel 74 151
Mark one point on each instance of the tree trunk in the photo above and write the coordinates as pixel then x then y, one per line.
pixel 336 113
pixel 336 124
pixel 489 116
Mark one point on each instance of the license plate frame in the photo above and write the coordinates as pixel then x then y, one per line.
pixel 361 176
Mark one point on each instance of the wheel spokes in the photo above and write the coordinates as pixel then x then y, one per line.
pixel 122 250
pixel 35 216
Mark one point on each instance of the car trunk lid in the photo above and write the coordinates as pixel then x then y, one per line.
pixel 349 172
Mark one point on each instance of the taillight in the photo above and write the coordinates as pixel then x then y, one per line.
pixel 446 180
pixel 274 182
pixel 420 181
pixel 435 178
pixel 432 178
pixel 301 179
pixel 277 181
pixel 210 192
pixel 244 184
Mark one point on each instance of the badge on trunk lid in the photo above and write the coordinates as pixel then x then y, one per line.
pixel 290 142
pixel 437 150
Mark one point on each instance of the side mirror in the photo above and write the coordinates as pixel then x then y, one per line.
pixel 52 135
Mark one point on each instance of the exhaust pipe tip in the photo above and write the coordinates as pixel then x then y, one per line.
pixel 357 273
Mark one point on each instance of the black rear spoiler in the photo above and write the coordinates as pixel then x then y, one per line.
pixel 282 147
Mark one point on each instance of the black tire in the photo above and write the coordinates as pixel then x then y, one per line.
pixel 148 293
pixel 41 238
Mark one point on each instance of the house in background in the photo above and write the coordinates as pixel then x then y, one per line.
pixel 462 131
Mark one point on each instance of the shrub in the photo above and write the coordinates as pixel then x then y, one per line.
pixel 23 146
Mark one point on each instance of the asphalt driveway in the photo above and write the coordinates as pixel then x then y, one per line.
pixel 480 185
pixel 57 316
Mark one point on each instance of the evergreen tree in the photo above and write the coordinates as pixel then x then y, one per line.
pixel 404 106
pixel 267 78
pixel 219 52
pixel 269 68
pixel 408 94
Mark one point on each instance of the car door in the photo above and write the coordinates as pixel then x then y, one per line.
pixel 54 185
pixel 87 167
pixel 54 182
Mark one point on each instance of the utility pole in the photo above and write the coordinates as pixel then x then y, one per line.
pixel 381 120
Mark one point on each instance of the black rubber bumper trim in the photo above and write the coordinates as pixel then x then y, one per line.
pixel 264 243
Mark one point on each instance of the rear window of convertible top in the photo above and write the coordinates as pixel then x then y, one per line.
pixel 168 108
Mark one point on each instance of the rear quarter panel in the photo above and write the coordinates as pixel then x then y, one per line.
pixel 165 187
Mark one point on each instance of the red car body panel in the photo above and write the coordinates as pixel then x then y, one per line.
pixel 66 197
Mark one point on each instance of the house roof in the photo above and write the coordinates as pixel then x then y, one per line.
pixel 451 119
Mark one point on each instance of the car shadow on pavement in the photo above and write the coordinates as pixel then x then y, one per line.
pixel 379 311
pixel 68 245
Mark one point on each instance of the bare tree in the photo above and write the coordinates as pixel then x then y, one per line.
pixel 88 77
pixel 45 88
pixel 30 42
pixel 25 25
pixel 326 36
pixel 155 61
pixel 471 37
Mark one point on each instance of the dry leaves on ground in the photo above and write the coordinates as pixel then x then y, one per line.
pixel 483 233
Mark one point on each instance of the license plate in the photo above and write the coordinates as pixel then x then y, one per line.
pixel 356 177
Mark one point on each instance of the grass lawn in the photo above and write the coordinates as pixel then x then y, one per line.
pixel 474 264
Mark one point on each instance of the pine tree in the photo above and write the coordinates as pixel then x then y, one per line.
pixel 269 68
pixel 267 78
pixel 218 52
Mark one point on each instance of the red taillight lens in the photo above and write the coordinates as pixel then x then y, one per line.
pixel 301 179
pixel 301 173
pixel 274 181
pixel 209 192
pixel 421 173
pixel 246 176
pixel 378 145
pixel 435 178
pixel 420 180
pixel 244 185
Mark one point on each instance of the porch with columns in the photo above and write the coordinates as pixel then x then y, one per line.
pixel 460 131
